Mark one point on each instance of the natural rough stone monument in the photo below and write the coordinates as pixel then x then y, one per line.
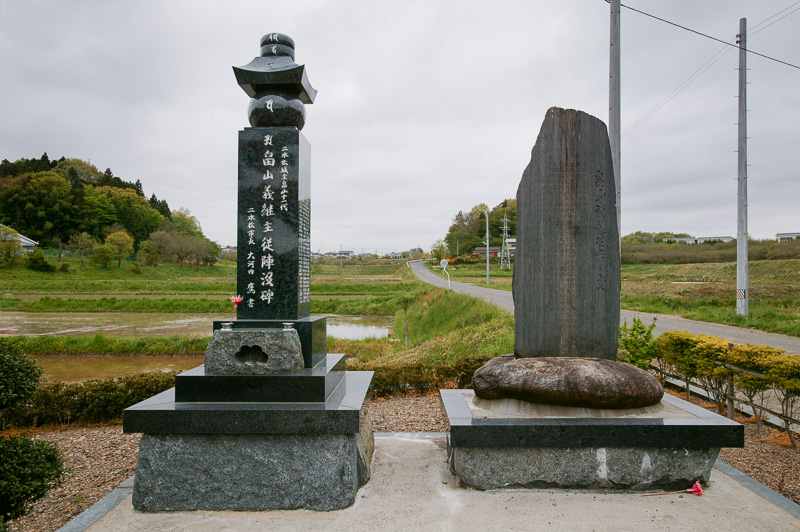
pixel 270 421
pixel 567 278
pixel 561 411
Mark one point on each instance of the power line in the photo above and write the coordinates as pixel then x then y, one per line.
pixel 705 66
pixel 773 16
pixel 771 23
pixel 708 36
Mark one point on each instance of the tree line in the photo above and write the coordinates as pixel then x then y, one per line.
pixel 70 203
pixel 468 231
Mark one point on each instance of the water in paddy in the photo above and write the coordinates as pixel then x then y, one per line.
pixel 79 368
pixel 162 324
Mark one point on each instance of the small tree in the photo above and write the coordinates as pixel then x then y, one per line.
pixel 28 468
pixel 148 253
pixel 102 255
pixel 439 250
pixel 123 245
pixel 10 246
pixel 82 243
pixel 636 344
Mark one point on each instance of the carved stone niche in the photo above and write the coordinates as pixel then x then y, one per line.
pixel 254 352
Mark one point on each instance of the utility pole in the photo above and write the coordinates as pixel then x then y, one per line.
pixel 487 246
pixel 614 137
pixel 742 297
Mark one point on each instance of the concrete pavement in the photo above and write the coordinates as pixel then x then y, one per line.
pixel 664 322
pixel 412 489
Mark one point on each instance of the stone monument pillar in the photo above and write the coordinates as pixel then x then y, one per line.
pixel 561 411
pixel 567 266
pixel 270 421
pixel 274 208
pixel 567 279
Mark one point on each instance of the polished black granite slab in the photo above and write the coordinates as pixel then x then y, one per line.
pixel 313 384
pixel 704 430
pixel 340 414
pixel 311 329
pixel 274 221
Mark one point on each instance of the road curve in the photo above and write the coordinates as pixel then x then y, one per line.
pixel 664 322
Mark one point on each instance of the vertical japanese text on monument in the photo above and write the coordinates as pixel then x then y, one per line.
pixel 600 227
pixel 260 252
pixel 304 252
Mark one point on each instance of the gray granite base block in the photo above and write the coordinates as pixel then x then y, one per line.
pixel 178 472
pixel 667 448
pixel 254 352
pixel 598 468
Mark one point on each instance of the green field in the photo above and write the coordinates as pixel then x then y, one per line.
pixel 705 292
pixel 354 288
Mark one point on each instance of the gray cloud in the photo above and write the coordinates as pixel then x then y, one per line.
pixel 424 109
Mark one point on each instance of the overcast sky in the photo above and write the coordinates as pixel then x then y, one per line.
pixel 424 108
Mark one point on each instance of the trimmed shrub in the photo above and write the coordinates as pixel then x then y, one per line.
pixel 19 375
pixel 95 401
pixel 28 469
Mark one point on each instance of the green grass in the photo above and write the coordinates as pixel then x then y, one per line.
pixel 111 345
pixel 355 288
pixel 774 293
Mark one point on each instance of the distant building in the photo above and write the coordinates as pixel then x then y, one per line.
pixel 787 237
pixel 493 251
pixel 698 239
pixel 27 244
pixel 681 239
pixel 512 246
pixel 705 239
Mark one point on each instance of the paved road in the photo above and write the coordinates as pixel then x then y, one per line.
pixel 664 322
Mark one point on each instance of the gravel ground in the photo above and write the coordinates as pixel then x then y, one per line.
pixel 101 458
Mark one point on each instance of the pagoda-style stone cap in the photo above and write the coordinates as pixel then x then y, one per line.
pixel 275 70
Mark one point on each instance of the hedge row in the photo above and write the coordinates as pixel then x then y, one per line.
pixel 755 371
pixel 95 401
pixel 404 376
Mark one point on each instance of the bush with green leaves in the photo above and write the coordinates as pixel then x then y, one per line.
pixel 28 469
pixel 102 255
pixel 636 344
pixel 37 262
pixel 19 375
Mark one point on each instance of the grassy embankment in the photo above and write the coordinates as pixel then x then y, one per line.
pixel 710 296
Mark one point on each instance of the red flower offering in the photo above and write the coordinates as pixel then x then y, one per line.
pixel 697 489
pixel 236 300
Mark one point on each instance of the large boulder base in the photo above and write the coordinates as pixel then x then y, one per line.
pixel 567 381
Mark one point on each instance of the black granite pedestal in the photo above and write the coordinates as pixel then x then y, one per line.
pixel 670 448
pixel 236 443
